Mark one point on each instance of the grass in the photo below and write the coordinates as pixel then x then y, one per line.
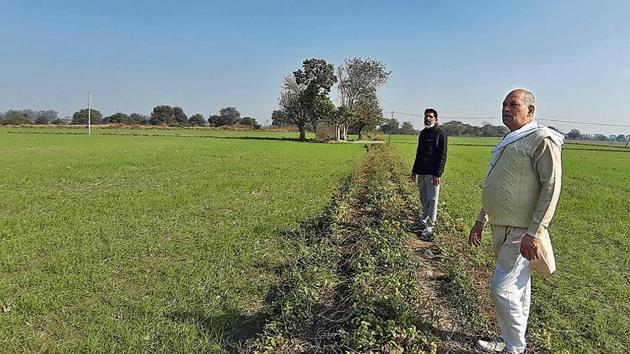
pixel 114 242
pixel 123 243
pixel 354 287
pixel 491 141
pixel 153 131
pixel 583 307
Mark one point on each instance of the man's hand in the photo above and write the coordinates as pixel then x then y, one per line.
pixel 529 247
pixel 413 176
pixel 436 181
pixel 474 238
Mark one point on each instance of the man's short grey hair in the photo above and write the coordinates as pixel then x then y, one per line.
pixel 528 98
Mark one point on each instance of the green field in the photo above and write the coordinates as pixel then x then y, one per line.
pixel 584 307
pixel 170 240
pixel 159 131
pixel 134 243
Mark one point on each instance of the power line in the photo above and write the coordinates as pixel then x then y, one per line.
pixel 542 119
pixel 587 123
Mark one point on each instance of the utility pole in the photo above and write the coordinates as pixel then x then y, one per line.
pixel 389 136
pixel 89 112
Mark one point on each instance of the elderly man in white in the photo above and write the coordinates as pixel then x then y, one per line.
pixel 519 198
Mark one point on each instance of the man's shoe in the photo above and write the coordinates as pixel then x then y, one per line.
pixel 491 346
pixel 506 351
pixel 419 227
pixel 427 234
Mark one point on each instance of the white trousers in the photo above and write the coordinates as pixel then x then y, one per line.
pixel 511 287
pixel 429 195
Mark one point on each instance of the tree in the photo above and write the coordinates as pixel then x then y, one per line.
pixel 41 120
pixel 621 138
pixel 574 134
pixel 180 117
pixel 316 77
pixel 390 126
pixel 58 121
pixel 407 129
pixel 15 118
pixel 359 80
pixel 492 130
pixel 81 117
pixel 250 121
pixel 453 128
pixel 230 115
pixel 279 117
pixel 168 115
pixel 320 109
pixel 368 113
pixel 137 118
pixel 161 115
pixel 292 108
pixel 117 118
pixel 197 120
pixel 226 116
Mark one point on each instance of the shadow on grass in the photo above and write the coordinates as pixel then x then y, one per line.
pixel 233 329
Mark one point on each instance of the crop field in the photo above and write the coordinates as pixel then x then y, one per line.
pixel 135 243
pixel 490 141
pixel 584 307
pixel 172 240
pixel 167 131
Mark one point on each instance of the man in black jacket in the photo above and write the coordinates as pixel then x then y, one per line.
pixel 428 168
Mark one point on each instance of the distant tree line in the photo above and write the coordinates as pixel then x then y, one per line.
pixel 451 128
pixel 161 115
pixel 457 128
pixel 28 116
pixel 392 126
pixel 575 134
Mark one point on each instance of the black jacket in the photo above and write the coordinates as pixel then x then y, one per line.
pixel 431 153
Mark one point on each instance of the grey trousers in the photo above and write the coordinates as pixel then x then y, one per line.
pixel 429 197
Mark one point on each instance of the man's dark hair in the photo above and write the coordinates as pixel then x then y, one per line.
pixel 431 110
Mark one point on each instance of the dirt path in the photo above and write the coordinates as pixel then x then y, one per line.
pixel 447 322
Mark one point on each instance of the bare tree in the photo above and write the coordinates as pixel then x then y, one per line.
pixel 359 80
pixel 292 109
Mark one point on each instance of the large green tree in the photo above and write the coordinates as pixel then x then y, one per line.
pixel 316 77
pixel 197 120
pixel 120 118
pixel 81 117
pixel 226 116
pixel 367 113
pixel 168 115
pixel 250 121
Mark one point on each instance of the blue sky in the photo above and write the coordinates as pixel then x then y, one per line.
pixel 460 57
